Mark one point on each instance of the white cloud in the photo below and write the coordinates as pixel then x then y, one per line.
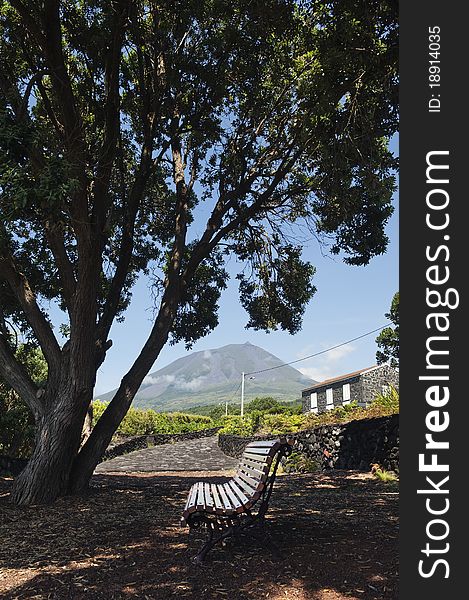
pixel 192 385
pixel 338 353
pixel 327 365
pixel 317 373
pixel 150 380
pixel 207 354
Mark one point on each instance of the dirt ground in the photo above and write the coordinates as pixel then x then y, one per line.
pixel 337 533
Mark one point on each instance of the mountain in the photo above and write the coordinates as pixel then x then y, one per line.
pixel 214 376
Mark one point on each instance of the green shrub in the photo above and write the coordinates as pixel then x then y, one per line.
pixel 263 416
pixel 298 462
pixel 383 475
pixel 387 402
pixel 278 424
pixel 138 421
pixel 237 425
pixel 17 428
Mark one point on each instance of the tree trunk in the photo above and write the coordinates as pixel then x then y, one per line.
pixel 46 476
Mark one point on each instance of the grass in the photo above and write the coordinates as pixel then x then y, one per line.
pixel 383 475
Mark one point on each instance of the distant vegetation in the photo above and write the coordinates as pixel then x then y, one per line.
pixel 262 416
pixel 265 404
pixel 148 422
pixel 263 422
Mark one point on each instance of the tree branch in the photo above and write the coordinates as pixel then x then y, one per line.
pixel 127 242
pixel 29 21
pixel 15 374
pixel 64 266
pixel 111 117
pixel 49 110
pixel 27 300
pixel 59 74
pixel 56 242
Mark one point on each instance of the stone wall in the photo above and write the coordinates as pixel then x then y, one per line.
pixel 374 381
pixel 355 445
pixel 14 466
pixel 145 441
pixel 233 445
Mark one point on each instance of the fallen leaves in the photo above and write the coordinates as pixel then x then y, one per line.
pixel 123 541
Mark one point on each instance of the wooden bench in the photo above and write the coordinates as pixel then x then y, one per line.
pixel 226 508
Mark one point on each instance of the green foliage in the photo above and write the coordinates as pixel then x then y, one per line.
pixel 237 425
pixel 17 428
pixel 264 422
pixel 383 475
pixel 272 406
pixel 298 462
pixel 282 110
pixel 149 422
pixel 387 402
pixel 278 424
pixel 265 404
pixel 388 339
pixel 16 425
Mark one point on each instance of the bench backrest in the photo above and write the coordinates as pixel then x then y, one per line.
pixel 253 470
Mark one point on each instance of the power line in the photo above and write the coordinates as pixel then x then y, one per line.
pixel 234 393
pixel 321 352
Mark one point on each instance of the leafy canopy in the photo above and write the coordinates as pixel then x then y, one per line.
pixel 388 339
pixel 161 138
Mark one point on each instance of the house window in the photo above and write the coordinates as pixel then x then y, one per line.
pixel 346 393
pixel 314 402
pixel 329 398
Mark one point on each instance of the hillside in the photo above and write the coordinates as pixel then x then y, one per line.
pixel 213 376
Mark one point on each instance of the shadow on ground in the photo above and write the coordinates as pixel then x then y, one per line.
pixel 337 532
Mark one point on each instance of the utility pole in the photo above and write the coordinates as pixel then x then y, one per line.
pixel 226 408
pixel 242 394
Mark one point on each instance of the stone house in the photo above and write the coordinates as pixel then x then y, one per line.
pixel 363 386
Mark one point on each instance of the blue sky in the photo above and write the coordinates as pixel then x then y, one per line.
pixel 349 301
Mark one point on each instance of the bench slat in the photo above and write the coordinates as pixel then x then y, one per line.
pixel 254 473
pixel 254 483
pixel 191 499
pixel 235 501
pixel 239 492
pixel 263 467
pixel 200 496
pixel 262 460
pixel 224 497
pixel 216 497
pixel 252 495
pixel 262 444
pixel 262 451
pixel 208 497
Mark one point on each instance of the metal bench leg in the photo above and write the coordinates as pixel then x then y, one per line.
pixel 199 557
pixel 212 541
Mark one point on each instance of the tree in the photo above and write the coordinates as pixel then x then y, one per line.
pixel 388 339
pixel 163 138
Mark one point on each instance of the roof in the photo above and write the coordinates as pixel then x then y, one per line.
pixel 340 378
